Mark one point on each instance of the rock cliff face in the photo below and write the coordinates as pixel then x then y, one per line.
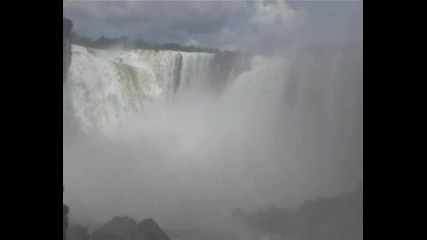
pixel 66 58
pixel 66 46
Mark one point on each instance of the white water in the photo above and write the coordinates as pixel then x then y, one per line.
pixel 195 68
pixel 104 88
pixel 287 130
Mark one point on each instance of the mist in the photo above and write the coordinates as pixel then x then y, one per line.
pixel 287 130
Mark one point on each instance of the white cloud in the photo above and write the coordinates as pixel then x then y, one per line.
pixel 267 27
pixel 192 42
pixel 277 13
pixel 226 35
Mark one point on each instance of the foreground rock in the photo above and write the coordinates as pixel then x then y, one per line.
pixel 339 217
pixel 125 228
pixel 148 230
pixel 117 228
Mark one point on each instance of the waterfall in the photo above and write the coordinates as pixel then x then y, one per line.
pixel 290 127
pixel 104 88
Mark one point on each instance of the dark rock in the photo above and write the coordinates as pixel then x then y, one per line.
pixel 66 46
pixel 339 217
pixel 124 228
pixel 148 229
pixel 65 211
pixel 67 26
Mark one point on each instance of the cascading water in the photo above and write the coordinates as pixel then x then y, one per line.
pixel 195 68
pixel 104 89
pixel 288 127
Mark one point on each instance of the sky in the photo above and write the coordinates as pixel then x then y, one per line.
pixel 255 26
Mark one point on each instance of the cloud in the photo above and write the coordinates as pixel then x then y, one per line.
pixel 192 42
pixel 261 26
pixel 154 21
pixel 274 13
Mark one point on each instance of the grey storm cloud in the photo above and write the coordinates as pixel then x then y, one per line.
pixel 256 26
pixel 154 20
pixel 175 16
